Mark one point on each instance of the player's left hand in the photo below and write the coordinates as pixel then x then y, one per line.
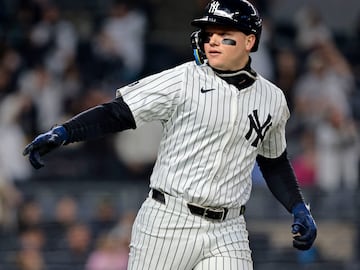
pixel 303 228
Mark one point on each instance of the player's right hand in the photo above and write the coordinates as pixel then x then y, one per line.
pixel 43 144
pixel 304 228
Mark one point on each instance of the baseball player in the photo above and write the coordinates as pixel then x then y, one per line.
pixel 219 116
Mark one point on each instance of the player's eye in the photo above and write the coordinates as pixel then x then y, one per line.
pixel 207 36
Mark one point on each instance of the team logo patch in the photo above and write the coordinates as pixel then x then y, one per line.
pixel 260 129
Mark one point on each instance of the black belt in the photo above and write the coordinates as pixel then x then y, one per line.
pixel 205 212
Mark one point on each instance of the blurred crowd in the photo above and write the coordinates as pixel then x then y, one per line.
pixel 64 240
pixel 54 64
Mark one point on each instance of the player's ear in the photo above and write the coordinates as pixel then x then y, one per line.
pixel 250 41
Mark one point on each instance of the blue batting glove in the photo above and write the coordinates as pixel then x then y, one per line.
pixel 303 228
pixel 43 144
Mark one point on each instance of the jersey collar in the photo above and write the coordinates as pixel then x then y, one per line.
pixel 242 78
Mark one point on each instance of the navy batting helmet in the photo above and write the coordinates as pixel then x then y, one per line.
pixel 239 14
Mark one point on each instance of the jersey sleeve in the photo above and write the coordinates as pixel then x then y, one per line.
pixel 275 143
pixel 154 97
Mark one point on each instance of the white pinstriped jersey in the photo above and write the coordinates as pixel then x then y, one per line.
pixel 212 131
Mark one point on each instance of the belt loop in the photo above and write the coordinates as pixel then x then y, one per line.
pixel 242 210
pixel 158 196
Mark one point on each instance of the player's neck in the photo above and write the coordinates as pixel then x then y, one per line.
pixel 242 78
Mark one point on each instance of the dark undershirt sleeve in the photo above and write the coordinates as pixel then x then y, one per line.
pixel 98 121
pixel 281 180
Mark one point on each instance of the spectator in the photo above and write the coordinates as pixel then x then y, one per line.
pixel 11 65
pixel 105 217
pixel 10 198
pixel 26 14
pixel 327 82
pixel 45 93
pixel 122 230
pixel 109 254
pixel 304 162
pixel 120 44
pixel 65 214
pixel 53 39
pixel 30 214
pixel 32 238
pixel 12 107
pixel 311 29
pixel 337 144
pixel 287 72
pixel 12 165
pixel 76 245
pixel 30 259
pixel 113 246
pixel 72 86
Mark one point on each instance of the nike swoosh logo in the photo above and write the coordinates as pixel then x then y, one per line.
pixel 202 90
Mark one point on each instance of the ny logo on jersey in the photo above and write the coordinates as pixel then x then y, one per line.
pixel 260 129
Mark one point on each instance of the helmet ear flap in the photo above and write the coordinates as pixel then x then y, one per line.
pixel 197 45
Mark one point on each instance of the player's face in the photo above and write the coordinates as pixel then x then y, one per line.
pixel 227 49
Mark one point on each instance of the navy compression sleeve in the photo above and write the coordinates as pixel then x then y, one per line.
pixel 100 120
pixel 281 180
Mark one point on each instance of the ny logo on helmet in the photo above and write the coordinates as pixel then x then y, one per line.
pixel 214 6
pixel 214 9
pixel 260 129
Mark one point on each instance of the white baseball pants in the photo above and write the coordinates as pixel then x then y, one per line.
pixel 168 237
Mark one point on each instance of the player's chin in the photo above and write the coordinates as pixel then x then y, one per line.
pixel 217 64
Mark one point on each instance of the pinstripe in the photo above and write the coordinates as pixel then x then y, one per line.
pixel 191 168
pixel 206 157
pixel 205 142
pixel 172 248
pixel 160 262
pixel 177 248
pixel 138 241
pixel 182 155
pixel 153 256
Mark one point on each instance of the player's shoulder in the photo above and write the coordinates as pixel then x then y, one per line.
pixel 192 70
pixel 267 85
pixel 192 66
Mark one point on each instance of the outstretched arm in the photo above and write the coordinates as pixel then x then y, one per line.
pixel 91 124
pixel 98 121
pixel 281 180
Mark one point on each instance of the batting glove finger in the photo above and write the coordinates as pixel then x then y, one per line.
pixel 35 160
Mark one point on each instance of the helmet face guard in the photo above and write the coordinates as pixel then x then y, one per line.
pixel 237 14
pixel 197 45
